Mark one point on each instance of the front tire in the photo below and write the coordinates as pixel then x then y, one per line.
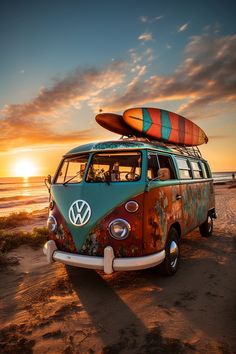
pixel 206 228
pixel 171 263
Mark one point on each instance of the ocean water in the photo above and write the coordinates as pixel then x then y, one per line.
pixel 223 176
pixel 20 194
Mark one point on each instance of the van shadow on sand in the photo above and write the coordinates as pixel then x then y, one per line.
pixel 119 327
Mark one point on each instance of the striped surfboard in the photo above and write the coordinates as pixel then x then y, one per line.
pixel 162 125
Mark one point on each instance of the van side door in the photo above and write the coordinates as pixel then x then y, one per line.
pixel 162 202
pixel 195 191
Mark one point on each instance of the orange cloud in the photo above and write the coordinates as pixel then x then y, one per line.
pixel 19 134
pixel 218 137
pixel 31 123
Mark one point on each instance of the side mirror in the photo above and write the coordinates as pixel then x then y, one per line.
pixel 49 179
pixel 48 182
pixel 163 174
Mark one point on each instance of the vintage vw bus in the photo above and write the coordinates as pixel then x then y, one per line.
pixel 124 205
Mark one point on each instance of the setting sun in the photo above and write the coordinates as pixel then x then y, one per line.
pixel 25 168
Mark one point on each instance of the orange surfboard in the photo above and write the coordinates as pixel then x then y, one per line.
pixel 162 125
pixel 115 124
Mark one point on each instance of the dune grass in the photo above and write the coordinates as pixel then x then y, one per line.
pixel 10 240
pixel 14 220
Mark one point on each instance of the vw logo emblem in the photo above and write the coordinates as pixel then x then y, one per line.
pixel 79 212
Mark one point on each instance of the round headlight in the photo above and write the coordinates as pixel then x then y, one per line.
pixel 52 224
pixel 131 206
pixel 119 229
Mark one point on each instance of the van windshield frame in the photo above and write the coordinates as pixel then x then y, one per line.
pixel 72 170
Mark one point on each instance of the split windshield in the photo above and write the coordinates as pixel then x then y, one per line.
pixel 72 169
pixel 103 167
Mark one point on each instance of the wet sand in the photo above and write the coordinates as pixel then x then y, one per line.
pixel 54 309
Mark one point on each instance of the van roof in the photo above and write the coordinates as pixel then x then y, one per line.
pixel 116 145
pixel 130 144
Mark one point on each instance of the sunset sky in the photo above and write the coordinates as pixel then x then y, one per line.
pixel 62 61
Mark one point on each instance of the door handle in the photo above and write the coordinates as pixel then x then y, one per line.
pixel 178 197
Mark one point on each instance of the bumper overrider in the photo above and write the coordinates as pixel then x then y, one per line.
pixel 108 263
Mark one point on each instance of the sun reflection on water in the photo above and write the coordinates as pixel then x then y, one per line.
pixel 25 187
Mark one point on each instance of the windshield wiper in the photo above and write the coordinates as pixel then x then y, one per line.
pixel 108 177
pixel 70 179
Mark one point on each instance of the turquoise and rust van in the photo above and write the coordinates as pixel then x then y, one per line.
pixel 124 205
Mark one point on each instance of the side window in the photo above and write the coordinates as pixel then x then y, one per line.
pixel 184 168
pixel 206 170
pixel 152 166
pixel 165 162
pixel 197 170
pixel 159 161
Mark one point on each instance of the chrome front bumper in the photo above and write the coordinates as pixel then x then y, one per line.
pixel 108 263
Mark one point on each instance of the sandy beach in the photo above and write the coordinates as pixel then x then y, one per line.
pixel 54 309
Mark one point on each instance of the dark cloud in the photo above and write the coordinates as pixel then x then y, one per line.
pixel 207 76
pixel 76 87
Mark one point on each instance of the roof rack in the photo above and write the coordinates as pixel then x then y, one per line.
pixel 137 138
pixel 181 149
pixel 187 150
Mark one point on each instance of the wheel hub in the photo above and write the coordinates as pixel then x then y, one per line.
pixel 174 254
pixel 209 224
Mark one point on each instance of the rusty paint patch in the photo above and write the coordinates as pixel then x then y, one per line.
pixel 162 210
pixel 197 200
pixel 99 236
pixel 62 238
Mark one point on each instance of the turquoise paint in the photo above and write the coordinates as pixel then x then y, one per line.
pixel 147 121
pixel 166 125
pixel 101 197
pixel 116 145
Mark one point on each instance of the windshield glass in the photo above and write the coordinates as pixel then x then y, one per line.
pixel 72 170
pixel 115 167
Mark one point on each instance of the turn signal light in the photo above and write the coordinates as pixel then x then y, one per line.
pixel 132 206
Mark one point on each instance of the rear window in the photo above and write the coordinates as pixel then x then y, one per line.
pixel 206 170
